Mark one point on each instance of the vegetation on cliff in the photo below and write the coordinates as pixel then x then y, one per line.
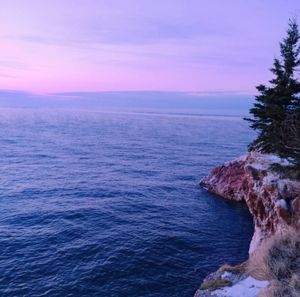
pixel 273 198
pixel 276 112
pixel 276 118
pixel 278 261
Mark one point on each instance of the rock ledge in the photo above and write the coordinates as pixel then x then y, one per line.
pixel 273 201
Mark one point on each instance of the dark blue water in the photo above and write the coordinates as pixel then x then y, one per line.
pixel 100 204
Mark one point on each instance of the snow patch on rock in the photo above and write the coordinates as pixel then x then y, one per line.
pixel 248 287
pixel 281 203
pixel 234 283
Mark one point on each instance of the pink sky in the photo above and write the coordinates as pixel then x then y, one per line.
pixel 115 45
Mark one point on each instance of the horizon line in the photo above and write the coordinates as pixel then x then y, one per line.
pixel 69 93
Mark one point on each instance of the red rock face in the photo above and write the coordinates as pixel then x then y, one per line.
pixel 227 181
pixel 274 202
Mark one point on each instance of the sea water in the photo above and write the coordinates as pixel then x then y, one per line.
pixel 108 203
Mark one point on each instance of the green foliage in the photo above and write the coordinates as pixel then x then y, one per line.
pixel 276 112
pixel 285 171
pixel 290 137
pixel 215 284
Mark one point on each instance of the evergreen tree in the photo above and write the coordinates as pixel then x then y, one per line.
pixel 291 138
pixel 279 100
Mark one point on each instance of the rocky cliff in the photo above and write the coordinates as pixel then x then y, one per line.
pixel 273 201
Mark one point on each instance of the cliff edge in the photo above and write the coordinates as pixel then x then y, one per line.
pixel 272 199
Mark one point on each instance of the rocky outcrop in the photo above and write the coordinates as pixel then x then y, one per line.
pixel 273 201
pixel 230 282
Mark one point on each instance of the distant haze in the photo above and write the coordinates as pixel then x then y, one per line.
pixel 166 102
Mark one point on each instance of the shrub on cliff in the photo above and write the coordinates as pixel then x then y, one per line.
pixel 277 105
pixel 278 260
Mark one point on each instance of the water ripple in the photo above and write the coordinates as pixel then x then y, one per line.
pixel 108 205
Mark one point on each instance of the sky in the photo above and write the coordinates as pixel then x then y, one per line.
pixel 57 46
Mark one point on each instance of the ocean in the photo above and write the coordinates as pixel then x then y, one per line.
pixel 108 203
